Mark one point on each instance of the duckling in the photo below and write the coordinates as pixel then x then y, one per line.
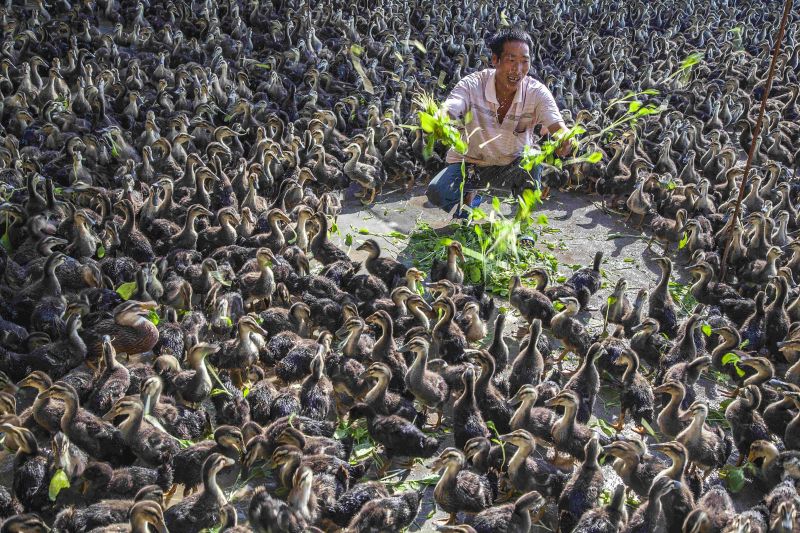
pixel 491 401
pixel 661 307
pixel 707 448
pixel 101 479
pixel 747 425
pixel 398 436
pixel 531 303
pixel 687 373
pixel 151 445
pixel 617 305
pixel 471 323
pixel 467 419
pixel 96 437
pixel 679 503
pixel 385 351
pixel 556 292
pixel 536 420
pixel 390 271
pixel 637 395
pixel 569 331
pixel 511 517
pixel 297 362
pixel 178 420
pixel 459 489
pixel 498 348
pixel 142 515
pixel 317 391
pixel 527 472
pixel 267 513
pixel 583 488
pixel 791 435
pixel 684 349
pixel 130 330
pixel 391 513
pixel 428 388
pixel 651 515
pixel 635 316
pixel 193 386
pixel 42 412
pixel 568 435
pixel 449 269
pixel 609 518
pixel 28 522
pixel 259 286
pixel 648 344
pixel 349 504
pixel 297 319
pixel 315 445
pixel 203 509
pixel 528 366
pixel 586 382
pixel 112 384
pixel 187 462
pixel 587 279
pixel 32 469
pixel 370 178
pixel 449 342
pixel 634 464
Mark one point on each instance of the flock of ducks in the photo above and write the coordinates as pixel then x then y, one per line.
pixel 183 348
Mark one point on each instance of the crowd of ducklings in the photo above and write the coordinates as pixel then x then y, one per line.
pixel 173 358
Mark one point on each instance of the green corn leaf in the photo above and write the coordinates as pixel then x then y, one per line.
pixel 363 231
pixel 684 240
pixel 706 329
pixel 57 482
pixel 153 317
pixel 542 220
pixel 245 391
pixel 126 290
pixel 729 358
pixel 634 106
pixel 348 239
pixel 648 427
pixel 611 300
pixel 734 478
pixel 594 157
pixel 427 122
pixel 101 251
pixel 5 241
pixel 228 321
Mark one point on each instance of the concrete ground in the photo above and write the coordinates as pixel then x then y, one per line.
pixel 578 226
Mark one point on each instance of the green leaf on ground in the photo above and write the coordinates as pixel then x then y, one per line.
pixel 126 290
pixel 57 482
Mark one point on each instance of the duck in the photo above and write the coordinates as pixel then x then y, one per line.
pixel 528 366
pixel 429 388
pixel 149 443
pixel 582 489
pixel 680 502
pixel 130 330
pixel 384 401
pixel 586 382
pixel 651 515
pixel 634 464
pixel 100 479
pixel 535 419
pixel 194 385
pixel 527 472
pixel 530 302
pixel 491 401
pixel 202 509
pixel 449 269
pixel 187 462
pixel 511 517
pixel 569 330
pixel 568 435
pixel 746 423
pixel 112 384
pixel 394 512
pixel 610 517
pixel 32 468
pixel 648 344
pixel 449 342
pixel 390 271
pixel 637 397
pixel 707 448
pixel 458 489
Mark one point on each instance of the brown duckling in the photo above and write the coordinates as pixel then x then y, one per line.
pixel 681 502
pixel 471 323
pixel 179 421
pixel 187 462
pixel 449 342
pixel 315 445
pixel 666 230
pixel 112 383
pixel 258 287
pixel 316 392
pixel 791 436
pixel 536 420
pixel 581 492
pixel 32 467
pixel 634 464
pixel 651 515
pixel 390 513
pixel 468 421
pixel 616 306
pixel 201 510
pixel 491 401
pixel 398 436
pixel 194 385
pixel 609 518
pixel 150 444
pixel 498 348
pixel 95 436
pixel 449 269
pixel 323 249
pixel 43 411
pixel 428 388
pixel 100 479
pixel 528 472
pixel 390 271
pixel 637 396
pixel 648 344
pixel 707 448
pixel 510 517
pixel 384 350
pixel 142 516
pixel 771 470
pixel 746 423
pixel 661 307
pixel 459 489
pixel 357 345
pixel 530 302
pixel 528 366
pixel 586 382
pixel 669 420
pixel 569 331
pixel 105 512
pixel 239 354
pixel 568 435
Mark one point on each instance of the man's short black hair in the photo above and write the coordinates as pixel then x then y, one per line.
pixel 499 39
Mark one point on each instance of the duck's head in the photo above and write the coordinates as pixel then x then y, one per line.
pixel 520 438
pixel 377 371
pixel 448 457
pixel 145 515
pixel 230 437
pixel 565 398
pixel 525 393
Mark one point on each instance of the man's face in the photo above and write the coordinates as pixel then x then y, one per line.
pixel 512 65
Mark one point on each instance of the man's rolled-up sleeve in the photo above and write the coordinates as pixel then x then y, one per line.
pixel 547 112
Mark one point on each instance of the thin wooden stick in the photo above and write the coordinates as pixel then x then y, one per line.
pixel 756 132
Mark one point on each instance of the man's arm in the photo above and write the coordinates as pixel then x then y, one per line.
pixel 566 146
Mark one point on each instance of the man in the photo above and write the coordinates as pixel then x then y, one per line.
pixel 505 105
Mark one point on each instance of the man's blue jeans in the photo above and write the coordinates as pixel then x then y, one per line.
pixel 444 189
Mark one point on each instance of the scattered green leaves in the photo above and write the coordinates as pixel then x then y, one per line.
pixel 217 275
pixel 732 358
pixel 153 317
pixel 58 482
pixel 126 290
pixel 101 251
pixel 734 477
